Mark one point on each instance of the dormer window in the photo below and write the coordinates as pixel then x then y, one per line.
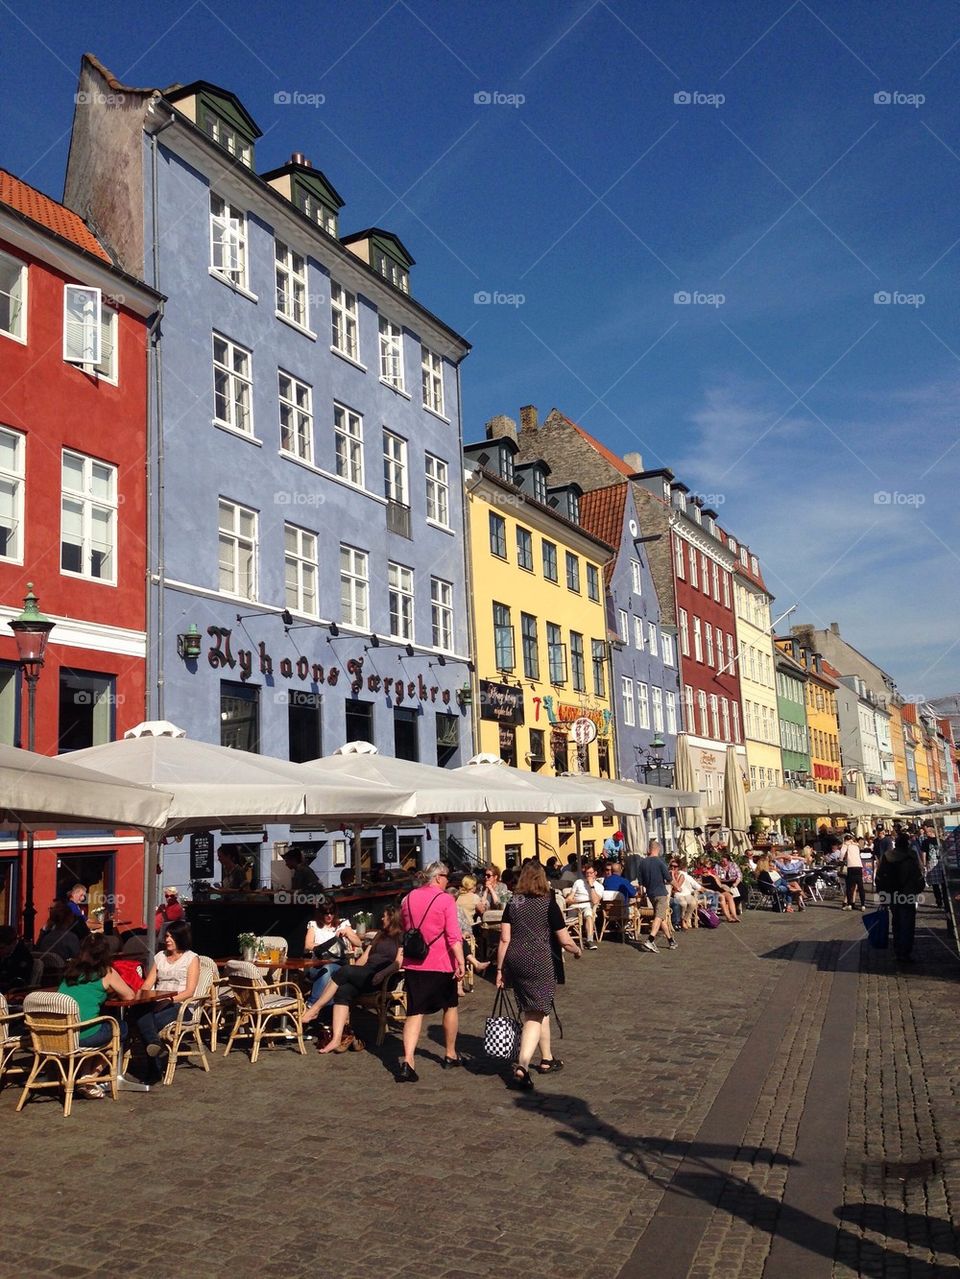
pixel 391 270
pixel 743 556
pixel 679 500
pixel 226 135
pixel 666 490
pixel 754 566
pixel 505 468
pixel 220 115
pixel 732 545
pixel 539 485
pixel 573 507
pixel 697 514
pixel 315 209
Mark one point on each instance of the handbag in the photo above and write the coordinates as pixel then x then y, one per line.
pixel 708 918
pixel 501 1032
pixel 877 924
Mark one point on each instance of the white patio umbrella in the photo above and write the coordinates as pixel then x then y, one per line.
pixel 38 792
pixel 781 801
pixel 734 815
pixel 527 796
pixel 690 816
pixel 630 799
pixel 860 794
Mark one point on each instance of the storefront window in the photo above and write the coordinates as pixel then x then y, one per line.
pixel 239 716
pixel 448 741
pixel 304 722
pixel 406 739
pixel 359 721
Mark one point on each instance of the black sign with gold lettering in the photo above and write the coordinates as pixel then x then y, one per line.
pixel 502 702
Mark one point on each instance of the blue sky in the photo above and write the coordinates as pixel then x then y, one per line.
pixel 581 193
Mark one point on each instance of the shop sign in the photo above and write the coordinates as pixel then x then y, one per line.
pixel 201 855
pixel 708 761
pixel 388 845
pixel 246 662
pixel 583 730
pixel 567 713
pixel 501 702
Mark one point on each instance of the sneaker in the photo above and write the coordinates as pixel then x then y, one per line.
pixel 592 945
pixel 846 908
pixel 651 945
pixel 155 1050
pixel 673 944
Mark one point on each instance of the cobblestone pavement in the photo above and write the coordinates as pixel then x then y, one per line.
pixel 773 1099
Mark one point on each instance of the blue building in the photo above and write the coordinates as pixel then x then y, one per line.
pixel 307 551
pixel 646 684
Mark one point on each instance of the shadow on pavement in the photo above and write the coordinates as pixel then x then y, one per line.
pixel 894 1223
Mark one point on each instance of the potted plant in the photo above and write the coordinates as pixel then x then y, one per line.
pixel 248 946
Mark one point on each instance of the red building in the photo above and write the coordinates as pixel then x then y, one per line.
pixel 74 338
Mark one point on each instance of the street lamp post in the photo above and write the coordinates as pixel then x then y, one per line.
pixel 31 630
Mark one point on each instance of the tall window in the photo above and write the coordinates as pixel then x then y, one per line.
pixel 689 723
pixel 391 354
pixel 697 638
pixel 702 705
pixel 343 312
pixel 715 570
pixel 623 629
pixel 395 469
pixel 731 656
pixel 573 572
pixel 549 560
pixel 358 720
pixel 736 724
pixel 684 633
pixel 652 638
pixel 593 583
pixel 431 377
pixel 238 550
pixel 232 385
pixel 639 634
pixel 503 647
pixel 636 577
pixel 598 655
pixel 524 548
pixel 694 582
pixel 304 726
pixel 406 733
pixel 531 651
pixel 438 490
pixel 228 241
pixel 704 573
pixel 441 613
pixel 643 705
pixel 88 517
pixel 667 649
pixel 498 536
pixel 86 710
pixel 13 298
pixel 719 634
pixel 725 715
pixel 354 587
pixel 239 716
pixel 348 435
pixel 400 592
pixel 726 589
pixel 715 716
pixel 709 632
pixel 106 367
pixel 626 698
pixel 291 272
pixel 657 695
pixel 12 455
pixel 680 558
pixel 300 570
pixel 556 654
pixel 577 664
pixel 296 417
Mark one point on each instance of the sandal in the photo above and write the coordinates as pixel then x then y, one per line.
pixel 520 1078
pixel 357 1045
pixel 93 1091
pixel 550 1066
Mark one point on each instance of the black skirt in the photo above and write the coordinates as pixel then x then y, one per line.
pixel 429 992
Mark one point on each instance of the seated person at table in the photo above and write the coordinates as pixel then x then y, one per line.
pixel 683 895
pixel 553 868
pixel 494 895
pixel 234 873
pixel 88 979
pixel 327 938
pixel 16 962
pixel 585 896
pixel 171 910
pixel 571 872
pixel 303 878
pixel 614 882
pixel 725 900
pixel 175 972
pixel 366 975
pixel 57 936
pixel 770 878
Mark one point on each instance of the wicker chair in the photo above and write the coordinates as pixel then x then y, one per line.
pixel 53 1024
pixel 182 1037
pixel 617 917
pixel 13 1042
pixel 218 1003
pixel 260 1003
pixel 274 943
pixel 388 1001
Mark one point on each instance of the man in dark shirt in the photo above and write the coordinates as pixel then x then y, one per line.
pixel 16 962
pixel 613 880
pixel 654 877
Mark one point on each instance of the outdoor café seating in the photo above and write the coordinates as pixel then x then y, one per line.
pixel 617 917
pixel 182 1037
pixel 14 1043
pixel 388 1002
pixel 266 1011
pixel 53 1025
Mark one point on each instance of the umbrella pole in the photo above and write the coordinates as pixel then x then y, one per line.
pixel 536 841
pixel 357 867
pixel 152 853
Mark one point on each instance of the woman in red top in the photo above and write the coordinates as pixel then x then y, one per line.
pixel 431 982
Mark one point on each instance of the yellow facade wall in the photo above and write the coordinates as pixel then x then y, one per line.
pixel 502 581
pixel 824 735
pixel 758 690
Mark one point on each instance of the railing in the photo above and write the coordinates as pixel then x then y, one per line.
pixel 459 857
pixel 398 519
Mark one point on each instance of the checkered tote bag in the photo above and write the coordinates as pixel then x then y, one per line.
pixel 501 1033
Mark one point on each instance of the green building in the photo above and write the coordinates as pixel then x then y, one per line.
pixel 792 712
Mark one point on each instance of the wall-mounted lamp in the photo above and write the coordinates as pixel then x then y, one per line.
pixel 374 641
pixel 466 695
pixel 286 617
pixel 334 630
pixel 409 650
pixel 190 643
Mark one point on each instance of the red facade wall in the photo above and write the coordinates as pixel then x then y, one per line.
pixel 699 675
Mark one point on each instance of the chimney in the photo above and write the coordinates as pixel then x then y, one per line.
pixel 529 418
pixel 299 158
pixel 634 461
pixel 835 627
pixel 502 427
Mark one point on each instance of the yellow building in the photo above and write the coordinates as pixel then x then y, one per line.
pixel 897 745
pixel 758 690
pixel 540 638
pixel 823 726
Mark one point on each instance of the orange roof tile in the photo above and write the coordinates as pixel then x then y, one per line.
pixel 601 512
pixel 39 208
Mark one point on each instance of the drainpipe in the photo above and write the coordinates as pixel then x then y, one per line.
pixel 483 834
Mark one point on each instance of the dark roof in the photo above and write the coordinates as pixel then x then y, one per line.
pixel 176 92
pixel 549 510
pixel 384 235
pixel 307 170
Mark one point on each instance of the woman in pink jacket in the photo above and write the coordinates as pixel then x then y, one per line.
pixel 431 981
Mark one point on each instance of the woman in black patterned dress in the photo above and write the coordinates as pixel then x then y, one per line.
pixel 532 934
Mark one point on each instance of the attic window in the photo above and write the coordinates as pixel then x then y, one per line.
pixel 697 514
pixel 573 507
pixel 679 501
pixel 754 566
pixel 391 270
pixel 506 465
pixel 539 485
pixel 226 135
pixel 315 209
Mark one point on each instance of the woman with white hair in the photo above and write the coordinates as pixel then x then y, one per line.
pixel 433 968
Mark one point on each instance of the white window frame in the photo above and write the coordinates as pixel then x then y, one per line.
pixel 656 695
pixel 400 599
pixel 238 392
pixel 636 577
pixel 689 711
pixel 702 708
pixel 694 579
pixel 725 717
pixel 395 474
pixel 652 638
pixel 715 717
pixel 228 241
pixel 667 649
pixel 643 704
pixel 431 379
pixel 680 557
pixel 437 475
pixel 731 655
pixel 624 619
pixel 704 573
pixel 639 634
pixel 708 636
pixel 344 322
pixel 89 503
pixel 626 698
pixel 16 297
pixel 726 589
pixel 226 136
pixel 13 484
pixel 108 366
pixel 296 416
pixel 348 444
pixel 391 354
pixel 355 586
pixel 670 710
pixel 293 298
pixel 715 574
pixel 697 639
pixel 300 570
pixel 441 613
pixel 684 632
pixel 234 537
pixel 81 325
pixel 719 635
